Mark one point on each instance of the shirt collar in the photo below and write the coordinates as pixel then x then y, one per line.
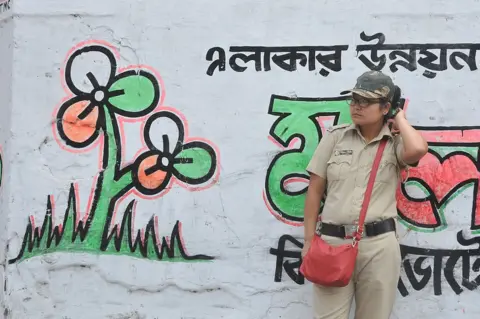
pixel 384 132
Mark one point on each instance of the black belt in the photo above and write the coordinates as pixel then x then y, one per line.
pixel 371 229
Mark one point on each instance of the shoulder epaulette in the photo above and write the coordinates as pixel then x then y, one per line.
pixel 336 127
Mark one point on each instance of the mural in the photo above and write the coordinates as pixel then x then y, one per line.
pixel 100 99
pixel 449 169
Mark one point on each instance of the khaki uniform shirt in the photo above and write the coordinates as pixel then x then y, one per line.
pixel 345 160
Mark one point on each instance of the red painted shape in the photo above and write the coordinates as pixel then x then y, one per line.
pixel 441 178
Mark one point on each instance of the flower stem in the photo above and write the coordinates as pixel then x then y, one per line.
pixel 108 188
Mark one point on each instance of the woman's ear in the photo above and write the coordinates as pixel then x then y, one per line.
pixel 386 108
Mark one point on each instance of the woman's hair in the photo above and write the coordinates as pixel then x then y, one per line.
pixel 396 97
pixel 395 103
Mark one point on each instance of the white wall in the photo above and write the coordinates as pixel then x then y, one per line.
pixel 6 66
pixel 228 219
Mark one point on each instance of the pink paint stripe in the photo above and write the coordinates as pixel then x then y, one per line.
pixel 452 136
pixel 180 236
pixel 321 121
pixel 292 180
pixel 278 216
pixel 290 145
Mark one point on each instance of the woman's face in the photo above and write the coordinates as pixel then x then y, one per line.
pixel 366 111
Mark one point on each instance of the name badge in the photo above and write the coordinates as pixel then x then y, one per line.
pixel 343 152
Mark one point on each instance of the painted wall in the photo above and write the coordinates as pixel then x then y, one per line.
pixel 154 152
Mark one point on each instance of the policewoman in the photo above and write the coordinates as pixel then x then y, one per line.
pixel 340 167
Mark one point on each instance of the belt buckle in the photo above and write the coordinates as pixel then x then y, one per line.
pixel 318 230
pixel 350 230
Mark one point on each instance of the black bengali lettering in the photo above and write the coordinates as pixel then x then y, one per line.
pixel 470 285
pixel 332 61
pixel 218 63
pixel 288 61
pixel 376 62
pixel 240 54
pixel 414 262
pixel 410 62
pixel 291 268
pixel 427 62
pixel 453 257
pixel 407 55
pixel 437 274
pixel 417 269
pixel 469 59
pixel 466 282
pixel 431 61
pixel 401 285
pixel 289 58
pixel 476 282
pixel 450 266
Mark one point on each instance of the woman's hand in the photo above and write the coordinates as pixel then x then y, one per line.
pixel 399 116
pixel 306 247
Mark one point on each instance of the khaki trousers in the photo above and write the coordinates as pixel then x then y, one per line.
pixel 373 284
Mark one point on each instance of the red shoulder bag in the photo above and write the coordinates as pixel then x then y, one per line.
pixel 333 266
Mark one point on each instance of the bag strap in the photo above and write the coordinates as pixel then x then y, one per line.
pixel 368 192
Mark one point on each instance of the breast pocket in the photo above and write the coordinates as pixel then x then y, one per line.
pixel 388 169
pixel 338 167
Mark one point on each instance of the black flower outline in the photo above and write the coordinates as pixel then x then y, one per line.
pixel 167 160
pixel 102 95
